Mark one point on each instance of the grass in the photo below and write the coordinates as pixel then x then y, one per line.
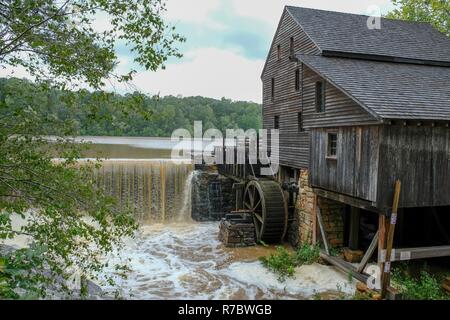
pixel 283 263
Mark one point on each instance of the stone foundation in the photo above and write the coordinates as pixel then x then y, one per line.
pixel 333 220
pixel 237 232
pixel 212 196
pixel 332 215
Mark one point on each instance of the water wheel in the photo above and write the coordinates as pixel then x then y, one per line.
pixel 265 200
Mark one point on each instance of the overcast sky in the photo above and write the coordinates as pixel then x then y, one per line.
pixel 227 43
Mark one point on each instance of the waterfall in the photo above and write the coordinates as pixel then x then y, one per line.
pixel 157 191
pixel 185 213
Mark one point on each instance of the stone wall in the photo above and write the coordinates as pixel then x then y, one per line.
pixel 237 232
pixel 212 196
pixel 333 220
pixel 332 215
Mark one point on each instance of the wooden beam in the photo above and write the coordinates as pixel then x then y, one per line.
pixel 345 267
pixel 421 253
pixel 314 221
pixel 386 271
pixel 354 202
pixel 369 253
pixel 383 227
pixel 322 230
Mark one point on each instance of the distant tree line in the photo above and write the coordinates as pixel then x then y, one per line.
pixel 110 114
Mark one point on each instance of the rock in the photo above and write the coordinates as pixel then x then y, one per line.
pixel 446 285
pixel 353 256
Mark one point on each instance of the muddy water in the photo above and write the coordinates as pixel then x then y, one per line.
pixel 186 261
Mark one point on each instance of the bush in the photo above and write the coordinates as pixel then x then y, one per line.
pixel 424 287
pixel 284 263
pixel 281 263
pixel 307 254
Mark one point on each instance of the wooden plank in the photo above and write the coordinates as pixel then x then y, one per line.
pixel 314 221
pixel 421 253
pixel 386 271
pixel 322 230
pixel 345 267
pixel 383 227
pixel 373 245
pixel 354 202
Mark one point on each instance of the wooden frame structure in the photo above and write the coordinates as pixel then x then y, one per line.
pixel 383 240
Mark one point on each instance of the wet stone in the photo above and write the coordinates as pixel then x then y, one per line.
pixel 236 233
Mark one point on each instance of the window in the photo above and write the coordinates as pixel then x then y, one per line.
pixel 320 96
pixel 278 52
pixel 300 122
pixel 297 80
pixel 276 122
pixel 272 89
pixel 332 145
pixel 291 48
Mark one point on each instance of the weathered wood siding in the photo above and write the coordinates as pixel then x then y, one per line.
pixel 340 110
pixel 294 145
pixel 354 171
pixel 419 157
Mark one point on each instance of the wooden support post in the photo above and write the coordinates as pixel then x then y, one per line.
pixel 368 254
pixel 314 220
pixel 353 241
pixel 386 271
pixel 383 227
pixel 322 231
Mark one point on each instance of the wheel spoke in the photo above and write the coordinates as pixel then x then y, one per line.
pixel 252 199
pixel 257 204
pixel 248 205
pixel 258 217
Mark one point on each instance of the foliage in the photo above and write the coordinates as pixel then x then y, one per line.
pixel 69 222
pixel 108 114
pixel 436 12
pixel 283 263
pixel 307 254
pixel 423 287
pixel 58 40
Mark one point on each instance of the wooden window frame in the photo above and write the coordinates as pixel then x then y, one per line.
pixel 276 122
pixel 292 48
pixel 320 105
pixel 272 89
pixel 329 154
pixel 279 52
pixel 297 80
pixel 300 122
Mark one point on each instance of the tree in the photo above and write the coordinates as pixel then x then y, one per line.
pixel 435 12
pixel 69 221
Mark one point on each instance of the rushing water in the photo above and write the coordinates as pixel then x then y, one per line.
pixel 186 261
pixel 173 257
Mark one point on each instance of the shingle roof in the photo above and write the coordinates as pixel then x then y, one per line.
pixel 344 32
pixel 389 90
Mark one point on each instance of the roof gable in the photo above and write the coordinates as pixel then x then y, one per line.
pixel 348 33
pixel 288 19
